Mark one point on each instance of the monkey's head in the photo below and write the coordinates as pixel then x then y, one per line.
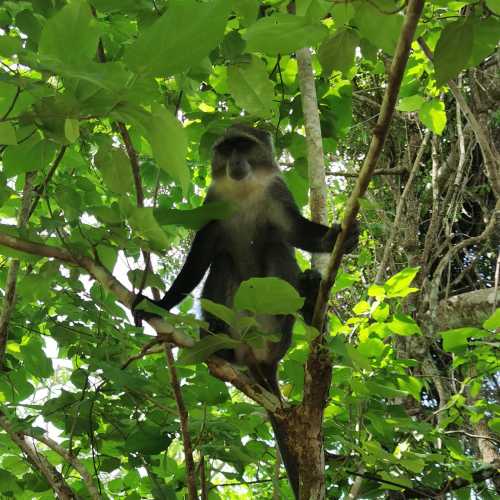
pixel 243 152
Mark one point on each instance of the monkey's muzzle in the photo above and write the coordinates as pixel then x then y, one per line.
pixel 238 167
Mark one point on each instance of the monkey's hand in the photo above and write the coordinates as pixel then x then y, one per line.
pixel 140 315
pixel 351 241
pixel 308 287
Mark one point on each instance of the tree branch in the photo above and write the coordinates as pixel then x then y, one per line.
pixel 228 373
pixel 380 132
pixel 184 421
pixel 315 155
pixel 381 171
pixel 56 481
pixel 101 274
pixel 9 299
pixel 436 280
pixel 399 210
pixel 313 389
pixel 72 460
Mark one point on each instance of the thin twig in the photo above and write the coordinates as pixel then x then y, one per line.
pixel 490 155
pixel 379 135
pixel 184 421
pixel 399 210
pixel 40 189
pixel 9 298
pixel 72 460
pixel 55 479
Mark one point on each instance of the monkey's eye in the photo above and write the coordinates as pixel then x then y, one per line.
pixel 240 144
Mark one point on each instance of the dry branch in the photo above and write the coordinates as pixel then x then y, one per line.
pixel 72 460
pixel 399 210
pixel 380 132
pixel 9 299
pixel 490 155
pixel 315 155
pixel 102 275
pixel 56 481
pixel 184 422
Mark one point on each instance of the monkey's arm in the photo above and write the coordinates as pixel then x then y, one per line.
pixel 305 234
pixel 197 262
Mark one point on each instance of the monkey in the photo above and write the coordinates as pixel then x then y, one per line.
pixel 256 240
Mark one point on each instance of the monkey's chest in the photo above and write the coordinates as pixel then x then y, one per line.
pixel 245 237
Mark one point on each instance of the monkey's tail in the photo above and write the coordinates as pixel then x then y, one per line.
pixel 265 375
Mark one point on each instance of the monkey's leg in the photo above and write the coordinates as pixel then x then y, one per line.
pixel 308 287
pixel 220 287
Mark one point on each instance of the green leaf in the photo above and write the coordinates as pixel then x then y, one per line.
pixel 380 29
pixel 145 225
pixel 381 313
pixel 206 347
pixel 10 45
pixel 456 340
pixel 433 115
pixel 115 168
pixel 107 255
pixel 147 440
pixel 71 35
pixel 169 144
pixel 411 103
pixel 494 424
pixel 384 391
pixel 251 88
pixel 7 134
pixel 71 129
pixel 267 296
pixel 493 322
pixel 399 284
pixel 283 34
pixel 411 385
pixel 219 311
pixel 181 38
pixel 337 52
pixel 342 13
pixel 35 360
pixel 247 10
pixel 32 155
pixel 404 325
pixel 494 6
pixel 195 218
pixel 486 35
pixel 453 50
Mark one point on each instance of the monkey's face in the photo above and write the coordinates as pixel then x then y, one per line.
pixel 241 158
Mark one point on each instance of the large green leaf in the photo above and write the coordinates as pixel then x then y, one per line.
pixel 433 115
pixel 32 155
pixel 145 225
pixel 71 35
pixel 380 29
pixel 206 347
pixel 399 284
pixel 181 38
pixel 195 218
pixel 453 50
pixel 169 144
pixel 283 34
pixel 267 296
pixel 456 340
pixel 251 88
pixel 337 52
pixel 115 169
pixel 7 134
